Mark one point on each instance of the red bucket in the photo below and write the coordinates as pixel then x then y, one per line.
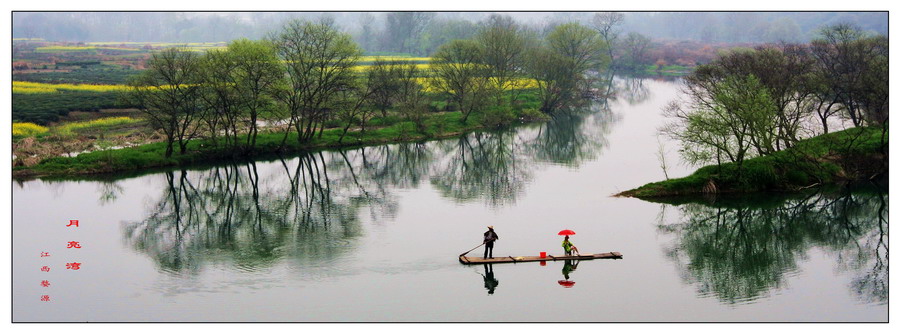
pixel 543 254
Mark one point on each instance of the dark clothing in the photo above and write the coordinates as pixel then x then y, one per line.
pixel 489 250
pixel 489 237
pixel 490 283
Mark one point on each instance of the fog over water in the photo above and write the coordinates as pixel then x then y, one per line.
pixel 713 27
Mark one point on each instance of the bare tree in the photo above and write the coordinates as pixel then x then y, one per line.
pixel 606 23
pixel 635 46
pixel 404 29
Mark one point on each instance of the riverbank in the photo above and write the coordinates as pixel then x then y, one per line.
pixel 152 155
pixel 848 155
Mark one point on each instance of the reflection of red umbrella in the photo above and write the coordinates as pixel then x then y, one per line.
pixel 566 283
pixel 566 232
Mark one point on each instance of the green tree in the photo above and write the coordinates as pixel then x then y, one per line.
pixel 411 99
pixel 256 75
pixel 222 112
pixel 459 71
pixel 503 43
pixel 560 66
pixel 556 81
pixel 319 61
pixel 583 47
pixel 854 66
pixel 731 119
pixel 385 79
pixel 785 72
pixel 168 93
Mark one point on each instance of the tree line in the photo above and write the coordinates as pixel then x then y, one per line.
pixel 752 102
pixel 303 79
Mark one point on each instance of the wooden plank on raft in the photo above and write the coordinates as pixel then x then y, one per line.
pixel 517 259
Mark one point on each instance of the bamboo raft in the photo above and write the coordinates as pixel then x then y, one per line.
pixel 510 259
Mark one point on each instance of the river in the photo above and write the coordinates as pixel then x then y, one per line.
pixel 373 234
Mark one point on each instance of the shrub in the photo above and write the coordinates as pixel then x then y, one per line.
pixel 497 116
pixel 533 115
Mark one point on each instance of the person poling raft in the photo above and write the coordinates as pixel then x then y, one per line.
pixel 491 236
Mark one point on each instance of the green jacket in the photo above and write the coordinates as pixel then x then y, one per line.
pixel 567 245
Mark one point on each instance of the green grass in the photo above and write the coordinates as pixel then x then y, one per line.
pixel 437 125
pixel 380 129
pixel 851 154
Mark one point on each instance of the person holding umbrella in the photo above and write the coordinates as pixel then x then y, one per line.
pixel 566 244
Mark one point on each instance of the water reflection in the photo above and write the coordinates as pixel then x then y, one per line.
pixel 743 249
pixel 632 89
pixel 230 213
pixel 490 282
pixel 568 267
pixel 307 209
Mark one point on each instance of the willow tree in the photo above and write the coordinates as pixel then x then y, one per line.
pixel 168 93
pixel 319 61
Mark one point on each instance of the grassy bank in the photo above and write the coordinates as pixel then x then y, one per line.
pixel 436 125
pixel 852 154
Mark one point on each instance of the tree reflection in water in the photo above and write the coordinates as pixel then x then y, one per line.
pixel 307 209
pixel 307 212
pixel 742 249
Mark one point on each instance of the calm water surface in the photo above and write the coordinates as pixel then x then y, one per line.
pixel 373 234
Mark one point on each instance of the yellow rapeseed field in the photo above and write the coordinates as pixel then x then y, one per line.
pixel 25 129
pixel 363 68
pixel 394 58
pixel 64 48
pixel 70 128
pixel 520 83
pixel 27 87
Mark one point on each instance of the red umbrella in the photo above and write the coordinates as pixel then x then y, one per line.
pixel 566 283
pixel 566 232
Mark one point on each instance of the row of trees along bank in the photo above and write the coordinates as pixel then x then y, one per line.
pixel 756 102
pixel 304 78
